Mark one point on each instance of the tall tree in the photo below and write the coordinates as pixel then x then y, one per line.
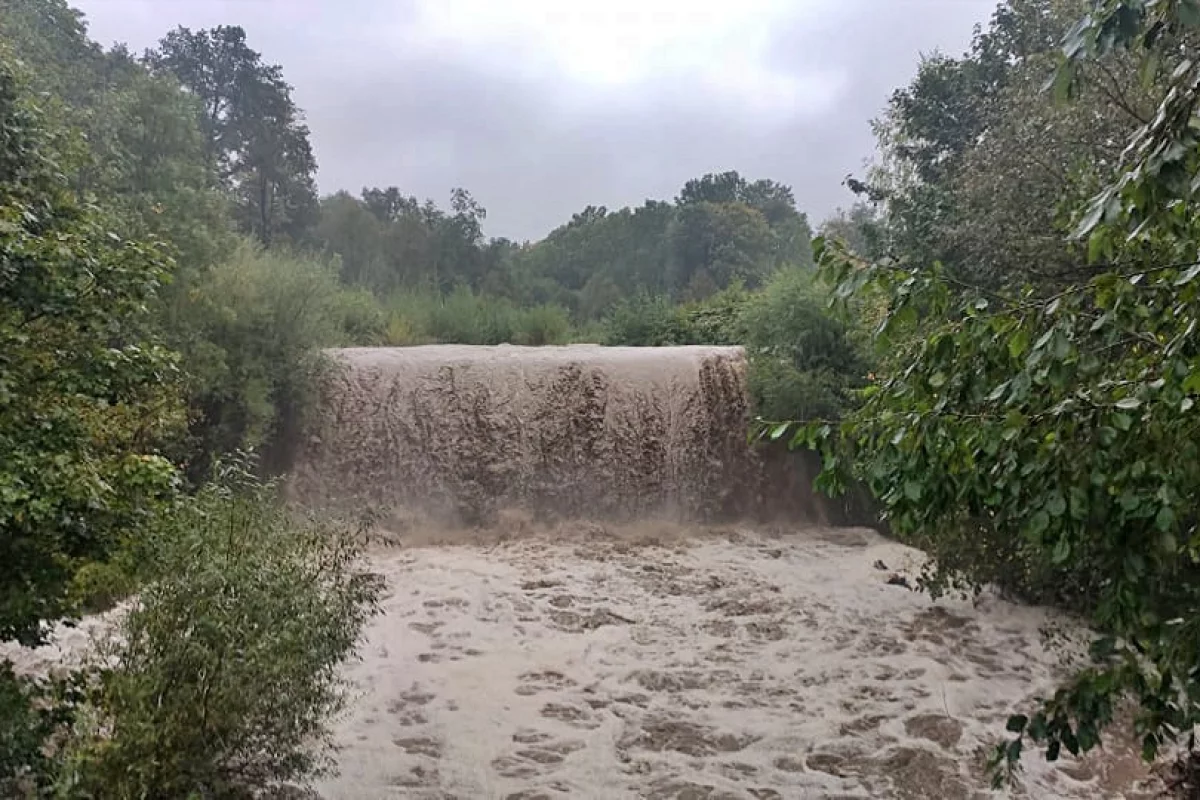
pixel 980 172
pixel 142 152
pixel 716 244
pixel 256 138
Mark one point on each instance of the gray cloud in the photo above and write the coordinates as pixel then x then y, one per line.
pixel 534 146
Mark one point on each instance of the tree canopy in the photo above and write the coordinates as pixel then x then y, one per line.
pixel 85 386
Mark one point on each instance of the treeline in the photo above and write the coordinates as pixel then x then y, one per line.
pixel 1030 237
pixel 721 230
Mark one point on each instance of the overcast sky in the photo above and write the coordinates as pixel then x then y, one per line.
pixel 541 107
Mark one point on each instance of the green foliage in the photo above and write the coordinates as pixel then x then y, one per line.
pixel 982 173
pixel 256 141
pixel 803 361
pixel 646 320
pixel 861 228
pixel 140 151
pixel 222 679
pixel 359 318
pixel 686 250
pixel 467 317
pixel 715 244
pixel 1046 440
pixel 33 715
pixel 251 329
pixel 719 318
pixel 543 324
pixel 100 585
pixel 389 242
pixel 1047 445
pixel 86 391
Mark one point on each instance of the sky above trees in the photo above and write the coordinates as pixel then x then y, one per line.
pixel 541 107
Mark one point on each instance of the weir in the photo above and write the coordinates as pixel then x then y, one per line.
pixel 460 432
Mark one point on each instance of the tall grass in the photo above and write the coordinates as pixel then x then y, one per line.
pixel 466 317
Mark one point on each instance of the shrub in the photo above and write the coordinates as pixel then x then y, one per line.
pixel 251 329
pixel 544 324
pixel 221 680
pixel 32 712
pixel 408 315
pixel 646 320
pixel 718 319
pixel 467 317
pixel 463 317
pixel 100 585
pixel 359 318
pixel 802 359
pixel 88 395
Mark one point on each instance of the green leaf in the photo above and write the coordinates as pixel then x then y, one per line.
pixel 1062 551
pixel 1129 403
pixel 1164 519
pixel 1017 723
pixel 913 490
pixel 1038 523
pixel 1149 748
pixel 1094 214
pixel 1188 275
pixel 1061 83
pixel 779 430
pixel 1018 343
pixel 1056 505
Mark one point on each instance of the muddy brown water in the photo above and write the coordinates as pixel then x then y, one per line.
pixel 456 432
pixel 690 662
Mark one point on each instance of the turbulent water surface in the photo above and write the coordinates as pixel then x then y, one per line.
pixel 459 431
pixel 658 662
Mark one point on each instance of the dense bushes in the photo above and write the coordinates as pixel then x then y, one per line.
pixel 646 320
pixel 1035 424
pixel 802 359
pixel 221 678
pixel 467 317
pixel 86 389
pixel 652 320
pixel 250 329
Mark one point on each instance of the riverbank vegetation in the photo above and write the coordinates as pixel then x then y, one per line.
pixel 1033 423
